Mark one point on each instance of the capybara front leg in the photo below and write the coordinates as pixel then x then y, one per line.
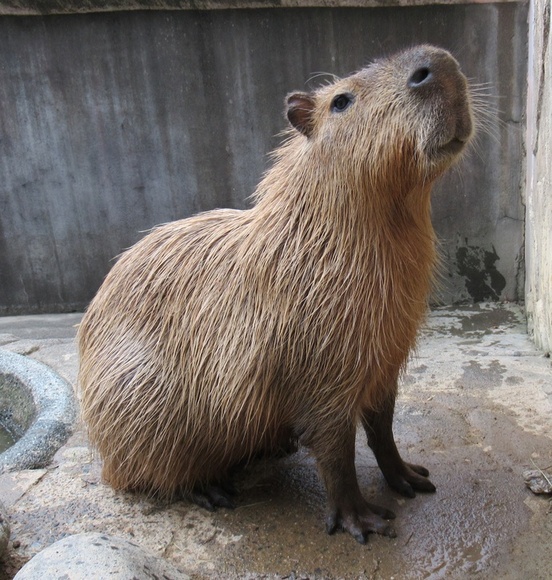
pixel 406 478
pixel 347 508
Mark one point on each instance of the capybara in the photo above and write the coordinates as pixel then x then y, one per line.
pixel 232 333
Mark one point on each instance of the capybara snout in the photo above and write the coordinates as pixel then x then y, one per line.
pixel 434 75
pixel 439 92
pixel 228 334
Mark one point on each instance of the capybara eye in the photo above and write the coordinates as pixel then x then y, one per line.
pixel 341 102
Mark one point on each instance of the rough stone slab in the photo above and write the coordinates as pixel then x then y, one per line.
pixel 94 555
pixel 22 347
pixel 13 486
pixel 7 338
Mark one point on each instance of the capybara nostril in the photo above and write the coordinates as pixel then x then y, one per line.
pixel 420 77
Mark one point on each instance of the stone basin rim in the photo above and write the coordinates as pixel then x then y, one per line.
pixel 56 413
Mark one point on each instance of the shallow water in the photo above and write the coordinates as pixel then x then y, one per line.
pixel 6 439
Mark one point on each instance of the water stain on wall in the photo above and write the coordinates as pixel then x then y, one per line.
pixel 477 265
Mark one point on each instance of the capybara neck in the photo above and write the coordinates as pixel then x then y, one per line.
pixel 367 240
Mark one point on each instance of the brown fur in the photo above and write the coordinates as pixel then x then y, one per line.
pixel 225 334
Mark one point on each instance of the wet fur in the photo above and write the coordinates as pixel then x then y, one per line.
pixel 226 334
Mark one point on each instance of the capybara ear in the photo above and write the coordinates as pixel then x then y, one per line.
pixel 299 112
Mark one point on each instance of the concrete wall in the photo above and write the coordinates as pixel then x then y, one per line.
pixel 111 123
pixel 539 178
pixel 26 7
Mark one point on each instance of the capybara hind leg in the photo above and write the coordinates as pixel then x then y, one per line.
pixel 406 478
pixel 347 508
pixel 210 497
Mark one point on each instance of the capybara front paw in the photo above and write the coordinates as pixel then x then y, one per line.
pixel 370 519
pixel 409 478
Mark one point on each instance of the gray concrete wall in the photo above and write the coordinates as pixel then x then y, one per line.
pixel 111 123
pixel 539 178
pixel 26 7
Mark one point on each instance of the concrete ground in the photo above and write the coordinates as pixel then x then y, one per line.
pixel 475 407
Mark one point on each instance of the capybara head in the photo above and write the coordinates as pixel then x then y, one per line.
pixel 402 119
pixel 234 333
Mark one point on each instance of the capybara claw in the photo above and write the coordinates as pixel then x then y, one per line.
pixel 360 537
pixel 390 532
pixel 419 469
pixel 404 488
pixel 425 486
pixel 361 524
pixel 331 524
pixel 382 512
pixel 407 479
pixel 409 487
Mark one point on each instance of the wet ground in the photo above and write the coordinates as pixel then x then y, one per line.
pixel 475 408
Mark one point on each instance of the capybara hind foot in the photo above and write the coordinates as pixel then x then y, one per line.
pixel 361 520
pixel 211 497
pixel 347 508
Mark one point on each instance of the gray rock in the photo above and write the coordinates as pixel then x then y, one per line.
pixel 4 531
pixel 94 555
pixel 55 411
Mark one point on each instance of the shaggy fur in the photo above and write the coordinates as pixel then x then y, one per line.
pixel 226 334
